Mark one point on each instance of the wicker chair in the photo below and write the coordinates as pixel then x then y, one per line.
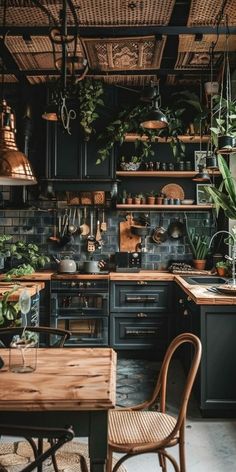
pixel 137 430
pixel 56 437
pixel 48 337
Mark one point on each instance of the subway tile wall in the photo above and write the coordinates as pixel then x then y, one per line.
pixel 36 224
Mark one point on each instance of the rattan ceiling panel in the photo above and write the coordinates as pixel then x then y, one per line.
pixel 207 12
pixel 92 12
pixel 124 53
pixel 194 54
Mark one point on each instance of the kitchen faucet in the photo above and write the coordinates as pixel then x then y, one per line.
pixel 233 251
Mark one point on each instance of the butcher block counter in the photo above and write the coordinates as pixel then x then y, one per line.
pixel 31 287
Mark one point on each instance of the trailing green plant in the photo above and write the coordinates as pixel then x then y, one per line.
pixel 192 111
pixel 225 196
pixel 90 97
pixel 199 243
pixel 128 120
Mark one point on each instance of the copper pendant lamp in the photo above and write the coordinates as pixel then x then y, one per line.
pixel 155 118
pixel 15 169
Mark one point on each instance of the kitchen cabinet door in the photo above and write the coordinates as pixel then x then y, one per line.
pixel 70 157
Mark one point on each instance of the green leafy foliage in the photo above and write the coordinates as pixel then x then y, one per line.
pixel 224 118
pixel 9 311
pixel 90 97
pixel 199 243
pixel 225 196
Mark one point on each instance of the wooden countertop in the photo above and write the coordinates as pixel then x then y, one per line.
pixel 198 293
pixel 32 288
pixel 65 379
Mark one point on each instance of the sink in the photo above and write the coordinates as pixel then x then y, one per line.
pixel 204 280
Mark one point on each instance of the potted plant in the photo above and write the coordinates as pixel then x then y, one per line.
pixel 223 268
pixel 151 198
pixel 224 125
pixel 199 244
pixel 225 196
pixel 129 199
pixel 28 253
pixel 130 164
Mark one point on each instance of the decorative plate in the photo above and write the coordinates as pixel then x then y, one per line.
pixel 173 191
pixel 227 289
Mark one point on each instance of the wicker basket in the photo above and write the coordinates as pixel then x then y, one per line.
pixel 86 198
pixel 99 197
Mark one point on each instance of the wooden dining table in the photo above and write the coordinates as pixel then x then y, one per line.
pixel 70 386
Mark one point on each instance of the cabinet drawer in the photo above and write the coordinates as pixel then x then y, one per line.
pixel 140 295
pixel 134 332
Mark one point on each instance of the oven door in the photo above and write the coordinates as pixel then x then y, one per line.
pixel 92 331
pixel 80 303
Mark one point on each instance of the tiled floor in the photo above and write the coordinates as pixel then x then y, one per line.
pixel 210 443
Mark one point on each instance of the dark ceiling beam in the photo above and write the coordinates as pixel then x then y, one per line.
pixel 111 31
pixel 9 64
pixel 96 72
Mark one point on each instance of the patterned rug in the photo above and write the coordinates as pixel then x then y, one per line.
pixel 14 456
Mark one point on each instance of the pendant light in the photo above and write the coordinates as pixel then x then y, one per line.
pixel 211 157
pixel 15 168
pixel 155 118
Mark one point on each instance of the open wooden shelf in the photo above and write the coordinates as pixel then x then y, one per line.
pixel 130 137
pixel 124 206
pixel 171 173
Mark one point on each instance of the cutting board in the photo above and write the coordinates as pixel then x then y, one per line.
pixel 128 241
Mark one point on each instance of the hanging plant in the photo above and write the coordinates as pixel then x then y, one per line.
pixel 127 121
pixel 90 97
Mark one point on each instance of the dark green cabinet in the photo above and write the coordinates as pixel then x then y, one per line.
pixel 215 385
pixel 70 157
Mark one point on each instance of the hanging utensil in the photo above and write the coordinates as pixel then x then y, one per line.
pixel 176 229
pixel 54 235
pixel 98 236
pixel 160 234
pixel 72 228
pixel 91 241
pixel 84 228
pixel 103 223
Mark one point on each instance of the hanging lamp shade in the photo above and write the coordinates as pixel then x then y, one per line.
pixel 15 168
pixel 202 175
pixel 51 112
pixel 155 118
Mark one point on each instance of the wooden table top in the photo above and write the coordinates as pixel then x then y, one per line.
pixel 65 379
pixel 17 287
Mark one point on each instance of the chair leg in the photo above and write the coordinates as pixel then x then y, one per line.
pixel 182 461
pixel 162 462
pixel 109 460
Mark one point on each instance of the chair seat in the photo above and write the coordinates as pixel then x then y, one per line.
pixel 134 428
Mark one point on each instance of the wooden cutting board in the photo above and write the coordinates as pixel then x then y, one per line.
pixel 128 241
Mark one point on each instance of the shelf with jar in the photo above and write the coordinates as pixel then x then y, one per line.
pixel 161 174
pixel 187 138
pixel 141 206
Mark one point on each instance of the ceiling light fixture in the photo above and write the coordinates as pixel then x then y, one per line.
pixel 15 168
pixel 73 68
pixel 155 118
pixel 202 175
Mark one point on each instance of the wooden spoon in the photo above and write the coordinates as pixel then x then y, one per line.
pixel 103 223
pixel 84 228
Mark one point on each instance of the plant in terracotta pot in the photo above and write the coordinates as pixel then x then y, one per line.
pixel 223 268
pixel 199 244
pixel 129 199
pixel 151 198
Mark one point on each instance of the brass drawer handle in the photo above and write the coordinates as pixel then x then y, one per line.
pixel 142 315
pixel 185 312
pixel 141 282
pixel 181 301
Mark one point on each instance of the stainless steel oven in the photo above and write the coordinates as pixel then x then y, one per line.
pixel 81 306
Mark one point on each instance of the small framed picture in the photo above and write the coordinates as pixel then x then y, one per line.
pixel 199 159
pixel 203 197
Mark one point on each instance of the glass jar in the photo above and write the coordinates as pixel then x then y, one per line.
pixel 22 356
